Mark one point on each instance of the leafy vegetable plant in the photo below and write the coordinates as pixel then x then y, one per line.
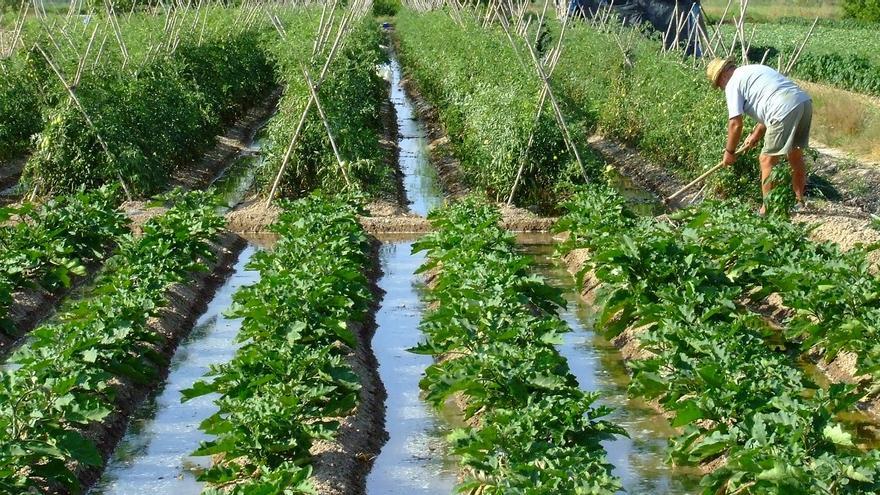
pixel 67 377
pixel 493 330
pixel 289 382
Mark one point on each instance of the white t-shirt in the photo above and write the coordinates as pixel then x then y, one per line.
pixel 762 93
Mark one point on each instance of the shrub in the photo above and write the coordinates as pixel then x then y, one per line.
pixel 386 7
pixel 863 10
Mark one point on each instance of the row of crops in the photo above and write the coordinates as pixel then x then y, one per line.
pixel 62 387
pixel 289 383
pixel 493 328
pixel 49 245
pixel 143 106
pixel 487 99
pixel 685 288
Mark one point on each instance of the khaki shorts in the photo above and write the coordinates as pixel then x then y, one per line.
pixel 793 131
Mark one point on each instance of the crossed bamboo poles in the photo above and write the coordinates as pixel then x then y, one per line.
pixel 356 10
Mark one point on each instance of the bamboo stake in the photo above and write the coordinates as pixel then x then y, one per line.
pixel 320 29
pixel 302 120
pixel 721 20
pixel 669 26
pixel 797 53
pixel 82 61
pixel 314 95
pixel 541 21
pixel 100 50
pixel 535 122
pixel 86 117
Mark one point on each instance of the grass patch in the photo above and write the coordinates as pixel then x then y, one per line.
pixel 772 10
pixel 845 120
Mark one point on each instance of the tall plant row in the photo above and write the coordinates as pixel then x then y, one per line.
pixel 652 101
pixel 351 96
pixel 487 97
pixel 492 329
pixel 144 105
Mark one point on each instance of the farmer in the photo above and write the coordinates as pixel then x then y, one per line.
pixel 783 111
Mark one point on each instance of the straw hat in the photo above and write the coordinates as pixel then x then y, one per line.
pixel 717 67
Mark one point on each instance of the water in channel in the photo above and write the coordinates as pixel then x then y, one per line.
pixel 422 188
pixel 154 456
pixel 639 461
pixel 413 461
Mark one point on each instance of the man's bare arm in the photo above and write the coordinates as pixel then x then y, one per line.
pixel 756 136
pixel 734 133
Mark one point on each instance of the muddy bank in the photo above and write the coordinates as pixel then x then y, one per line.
pixel 185 302
pixel 341 466
pixel 643 172
pixel 236 139
pixel 33 305
pixel 254 217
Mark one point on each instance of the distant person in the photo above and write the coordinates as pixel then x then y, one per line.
pixel 784 113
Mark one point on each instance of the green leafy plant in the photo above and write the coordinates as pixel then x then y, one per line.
pixel 48 245
pixel 67 377
pixel 289 381
pixel 684 287
pixel 493 328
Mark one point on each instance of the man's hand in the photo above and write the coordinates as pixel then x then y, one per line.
pixel 751 141
pixel 729 158
pixel 756 136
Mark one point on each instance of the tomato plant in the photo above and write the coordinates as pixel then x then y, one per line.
pixel 351 95
pixel 486 98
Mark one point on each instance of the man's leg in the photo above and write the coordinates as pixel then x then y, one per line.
pixel 798 172
pixel 767 163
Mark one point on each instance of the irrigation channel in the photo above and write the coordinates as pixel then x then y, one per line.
pixel 155 454
pixel 414 460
